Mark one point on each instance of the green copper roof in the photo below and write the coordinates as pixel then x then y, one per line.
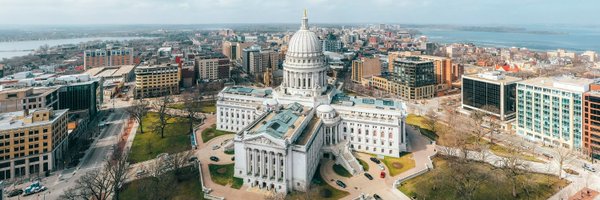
pixel 282 121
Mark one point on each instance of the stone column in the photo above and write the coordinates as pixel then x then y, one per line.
pixel 248 161
pixel 277 159
pixel 270 163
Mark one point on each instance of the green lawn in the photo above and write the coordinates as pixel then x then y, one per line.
pixel 319 189
pixel 437 185
pixel 223 175
pixel 149 144
pixel 202 106
pixel 186 186
pixel 420 122
pixel 399 165
pixel 339 170
pixel 502 151
pixel 230 152
pixel 364 164
pixel 212 132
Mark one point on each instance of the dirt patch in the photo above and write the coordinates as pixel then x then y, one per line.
pixel 397 165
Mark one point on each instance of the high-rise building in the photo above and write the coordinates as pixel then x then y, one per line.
pixel 444 76
pixel 80 95
pixel 107 57
pixel 34 142
pixel 549 110
pixel 19 99
pixel 413 78
pixel 364 68
pixel 241 46
pixel 246 56
pixel 213 66
pixel 492 92
pixel 259 61
pixel 392 56
pixel 157 80
pixel 230 50
pixel 591 122
pixel 332 43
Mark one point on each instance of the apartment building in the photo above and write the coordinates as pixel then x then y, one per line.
pixel 549 110
pixel 591 122
pixel 365 68
pixel 156 80
pixel 212 66
pixel 107 57
pixel 19 99
pixel 412 79
pixel 31 142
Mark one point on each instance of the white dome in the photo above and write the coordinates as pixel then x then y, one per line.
pixel 304 43
pixel 324 108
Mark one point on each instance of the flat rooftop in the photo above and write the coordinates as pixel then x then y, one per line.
pixel 281 124
pixel 367 102
pixel 17 119
pixel 494 76
pixel 308 131
pixel 248 91
pixel 112 71
pixel 567 83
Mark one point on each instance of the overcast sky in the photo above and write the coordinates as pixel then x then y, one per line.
pixel 491 12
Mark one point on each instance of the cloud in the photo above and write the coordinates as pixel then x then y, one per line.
pixel 289 11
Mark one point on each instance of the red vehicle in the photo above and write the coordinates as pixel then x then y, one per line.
pixel 382 175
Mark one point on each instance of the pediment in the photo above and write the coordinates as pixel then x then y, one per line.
pixel 263 139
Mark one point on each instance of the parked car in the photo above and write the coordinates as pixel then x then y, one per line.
pixel 340 183
pixel 377 197
pixel 214 158
pixel 15 192
pixel 381 166
pixel 193 158
pixel 382 175
pixel 140 172
pixel 368 176
pixel 548 155
pixel 215 147
pixel 375 160
pixel 589 168
pixel 232 158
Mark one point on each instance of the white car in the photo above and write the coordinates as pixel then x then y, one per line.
pixel 589 168
pixel 381 166
pixel 215 147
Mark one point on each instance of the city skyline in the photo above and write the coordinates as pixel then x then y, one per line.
pixel 463 12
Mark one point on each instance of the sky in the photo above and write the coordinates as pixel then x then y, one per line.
pixel 464 12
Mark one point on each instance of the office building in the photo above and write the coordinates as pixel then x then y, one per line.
pixel 413 78
pixel 156 81
pixel 282 133
pixel 107 57
pixel 212 66
pixel 332 43
pixel 493 93
pixel 34 141
pixel 591 122
pixel 230 50
pixel 246 56
pixel 364 68
pixel 549 110
pixel 444 73
pixel 241 46
pixel 82 96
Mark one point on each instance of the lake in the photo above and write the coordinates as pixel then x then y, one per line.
pixel 20 48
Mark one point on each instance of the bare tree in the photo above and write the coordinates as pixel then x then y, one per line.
pixel 138 111
pixel 432 120
pixel 513 167
pixel 465 178
pixel 116 168
pixel 96 184
pixel 477 119
pixel 163 116
pixel 491 121
pixel 178 160
pixel 563 156
pixel 191 108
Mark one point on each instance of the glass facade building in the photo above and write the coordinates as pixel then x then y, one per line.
pixel 495 96
pixel 82 98
pixel 550 112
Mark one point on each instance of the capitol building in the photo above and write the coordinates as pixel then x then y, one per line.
pixel 282 133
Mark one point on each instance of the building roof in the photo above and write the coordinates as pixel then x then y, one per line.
pixel 567 83
pixel 248 91
pixel 281 124
pixel 367 102
pixel 18 119
pixel 493 76
pixel 304 42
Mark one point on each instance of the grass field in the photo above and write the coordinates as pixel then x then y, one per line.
pixel 149 144
pixel 339 170
pixel 436 185
pixel 364 164
pixel 420 122
pixel 399 165
pixel 212 132
pixel 202 106
pixel 186 186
